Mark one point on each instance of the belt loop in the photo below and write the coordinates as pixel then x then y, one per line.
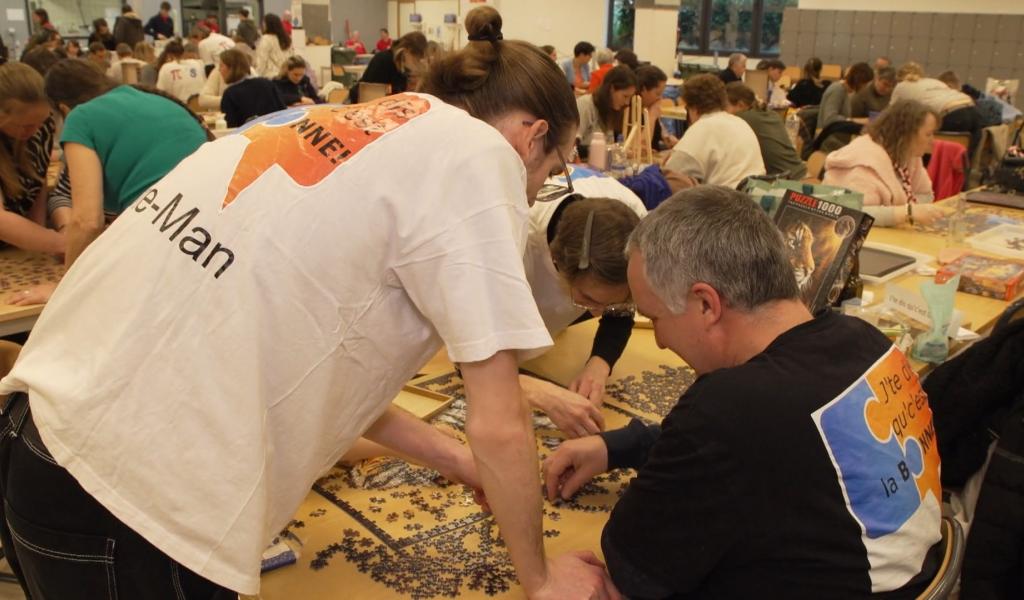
pixel 16 411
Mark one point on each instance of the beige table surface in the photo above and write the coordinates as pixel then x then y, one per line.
pixel 20 269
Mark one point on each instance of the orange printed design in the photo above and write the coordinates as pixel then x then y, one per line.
pixel 881 438
pixel 310 142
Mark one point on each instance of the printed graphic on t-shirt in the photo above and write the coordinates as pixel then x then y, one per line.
pixel 881 438
pixel 308 143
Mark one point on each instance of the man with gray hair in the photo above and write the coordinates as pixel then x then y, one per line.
pixel 737 67
pixel 875 96
pixel 802 461
pixel 605 60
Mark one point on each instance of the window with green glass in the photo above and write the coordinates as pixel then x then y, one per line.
pixel 710 26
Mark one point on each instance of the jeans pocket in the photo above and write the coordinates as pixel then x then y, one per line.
pixel 62 565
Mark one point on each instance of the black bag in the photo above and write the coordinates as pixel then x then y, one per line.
pixel 1009 175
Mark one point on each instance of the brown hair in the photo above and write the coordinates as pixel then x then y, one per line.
pixel 40 59
pixel 611 224
pixel 172 51
pixel 910 71
pixel 272 25
pixel 293 62
pixel 619 78
pixel 237 63
pixel 896 127
pixel 413 44
pixel 97 48
pixel 812 68
pixel 705 92
pixel 949 78
pixel 738 92
pixel 649 77
pixel 491 76
pixel 144 52
pixel 123 50
pixel 23 84
pixel 859 75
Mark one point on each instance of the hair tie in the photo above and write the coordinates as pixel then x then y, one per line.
pixel 485 37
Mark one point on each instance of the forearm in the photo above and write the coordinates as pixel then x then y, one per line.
pixel 79 236
pixel 611 338
pixel 414 439
pixel 501 437
pixel 629 446
pixel 24 233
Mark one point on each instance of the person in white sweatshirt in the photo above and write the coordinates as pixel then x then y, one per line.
pixel 274 47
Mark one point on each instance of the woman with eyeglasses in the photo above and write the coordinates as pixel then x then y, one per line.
pixel 254 312
pixel 577 269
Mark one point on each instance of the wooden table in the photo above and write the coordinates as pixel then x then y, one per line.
pixel 387 530
pixel 980 313
pixel 20 269
pixel 674 112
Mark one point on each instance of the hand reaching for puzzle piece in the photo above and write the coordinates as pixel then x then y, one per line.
pixel 37 294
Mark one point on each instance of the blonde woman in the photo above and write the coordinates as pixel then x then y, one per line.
pixel 148 72
pixel 275 47
pixel 885 165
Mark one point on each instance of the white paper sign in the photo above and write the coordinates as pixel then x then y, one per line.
pixel 15 14
pixel 914 306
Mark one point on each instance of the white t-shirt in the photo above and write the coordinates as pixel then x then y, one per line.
pixel 719 149
pixel 116 70
pixel 227 339
pixel 549 291
pixel 182 79
pixel 212 45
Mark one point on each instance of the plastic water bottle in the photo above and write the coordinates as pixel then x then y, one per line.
pixel 793 128
pixel 598 151
pixel 716 59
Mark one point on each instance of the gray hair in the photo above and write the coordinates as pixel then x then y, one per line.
pixel 715 235
pixel 737 58
pixel 604 56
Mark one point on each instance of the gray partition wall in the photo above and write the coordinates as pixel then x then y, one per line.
pixel 974 46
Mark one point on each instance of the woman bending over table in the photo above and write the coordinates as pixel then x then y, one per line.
pixel 26 143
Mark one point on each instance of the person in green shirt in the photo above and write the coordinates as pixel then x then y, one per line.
pixel 119 140
pixel 777 151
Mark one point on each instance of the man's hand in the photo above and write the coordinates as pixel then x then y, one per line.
pixel 591 381
pixel 572 465
pixel 576 575
pixel 574 415
pixel 678 181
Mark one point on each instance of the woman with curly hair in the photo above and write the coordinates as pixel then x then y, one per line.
pixel 885 165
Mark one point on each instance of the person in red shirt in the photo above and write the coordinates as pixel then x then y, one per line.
pixel 211 22
pixel 604 58
pixel 384 43
pixel 286 21
pixel 355 44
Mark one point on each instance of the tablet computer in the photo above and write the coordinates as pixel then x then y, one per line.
pixel 879 263
pixel 996 199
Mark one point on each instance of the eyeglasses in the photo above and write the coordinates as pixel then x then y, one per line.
pixel 620 309
pixel 553 191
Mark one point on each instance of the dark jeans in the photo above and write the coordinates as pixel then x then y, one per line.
pixel 63 544
pixel 967 120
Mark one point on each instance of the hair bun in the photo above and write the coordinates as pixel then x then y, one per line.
pixel 483 24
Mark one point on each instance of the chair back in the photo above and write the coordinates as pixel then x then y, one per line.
pixel 372 91
pixel 129 73
pixel 954 544
pixel 337 96
pixel 831 72
pixel 816 164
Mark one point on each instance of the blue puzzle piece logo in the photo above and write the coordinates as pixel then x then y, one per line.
pixel 878 475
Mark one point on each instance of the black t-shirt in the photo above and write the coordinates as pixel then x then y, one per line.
pixel 764 476
pixel 806 93
pixel 249 98
pixel 382 69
